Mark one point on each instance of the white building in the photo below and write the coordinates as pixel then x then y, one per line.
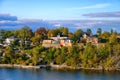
pixel 9 40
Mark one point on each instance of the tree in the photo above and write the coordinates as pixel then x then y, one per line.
pixel 103 52
pixel 89 31
pixel 99 31
pixel 6 34
pixel 65 31
pixel 105 37
pixel 109 62
pixel 111 31
pixel 17 33
pixel 55 32
pixel 71 36
pixel 35 41
pixel 116 49
pixel 1 32
pixel 77 35
pixel 72 62
pixel 105 34
pixel 113 38
pixel 41 34
pixel 49 34
pixel 35 55
pixel 9 54
pixel 40 31
pixel 60 59
pixel 25 34
pixel 88 57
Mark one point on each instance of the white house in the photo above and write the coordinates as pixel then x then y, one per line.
pixel 9 40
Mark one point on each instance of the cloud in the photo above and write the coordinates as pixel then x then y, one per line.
pixel 12 23
pixel 7 17
pixel 72 25
pixel 104 14
pixel 96 6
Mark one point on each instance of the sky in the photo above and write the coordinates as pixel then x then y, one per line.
pixel 58 9
pixel 74 14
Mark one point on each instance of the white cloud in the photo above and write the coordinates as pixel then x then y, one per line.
pixel 7 17
pixel 104 14
pixel 96 6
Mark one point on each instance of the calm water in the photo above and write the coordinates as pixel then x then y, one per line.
pixel 29 74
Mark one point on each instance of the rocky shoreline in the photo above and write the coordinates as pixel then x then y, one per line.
pixel 82 68
pixel 58 67
pixel 18 66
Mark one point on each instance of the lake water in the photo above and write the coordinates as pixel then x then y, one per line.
pixel 43 74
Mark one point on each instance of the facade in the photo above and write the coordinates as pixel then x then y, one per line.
pixel 57 42
pixel 92 40
pixel 8 41
pixel 118 36
pixel 26 42
pixel 86 38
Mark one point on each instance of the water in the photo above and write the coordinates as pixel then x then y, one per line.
pixel 30 74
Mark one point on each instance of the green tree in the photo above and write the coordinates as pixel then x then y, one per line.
pixel 111 31
pixel 65 31
pixel 35 41
pixel 88 56
pixel 6 34
pixel 105 35
pixel 55 32
pixel 113 38
pixel 103 52
pixel 78 34
pixel 25 34
pixel 9 54
pixel 89 31
pixel 59 59
pixel 99 31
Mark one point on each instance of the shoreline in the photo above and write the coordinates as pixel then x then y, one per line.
pixel 55 67
pixel 82 68
pixel 18 66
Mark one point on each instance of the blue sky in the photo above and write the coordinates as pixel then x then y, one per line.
pixel 74 14
pixel 57 9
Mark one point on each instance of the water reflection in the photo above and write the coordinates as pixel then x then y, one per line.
pixel 43 74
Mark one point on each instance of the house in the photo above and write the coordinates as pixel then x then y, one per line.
pixel 118 36
pixel 92 40
pixel 86 38
pixel 85 35
pixel 9 40
pixel 57 42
